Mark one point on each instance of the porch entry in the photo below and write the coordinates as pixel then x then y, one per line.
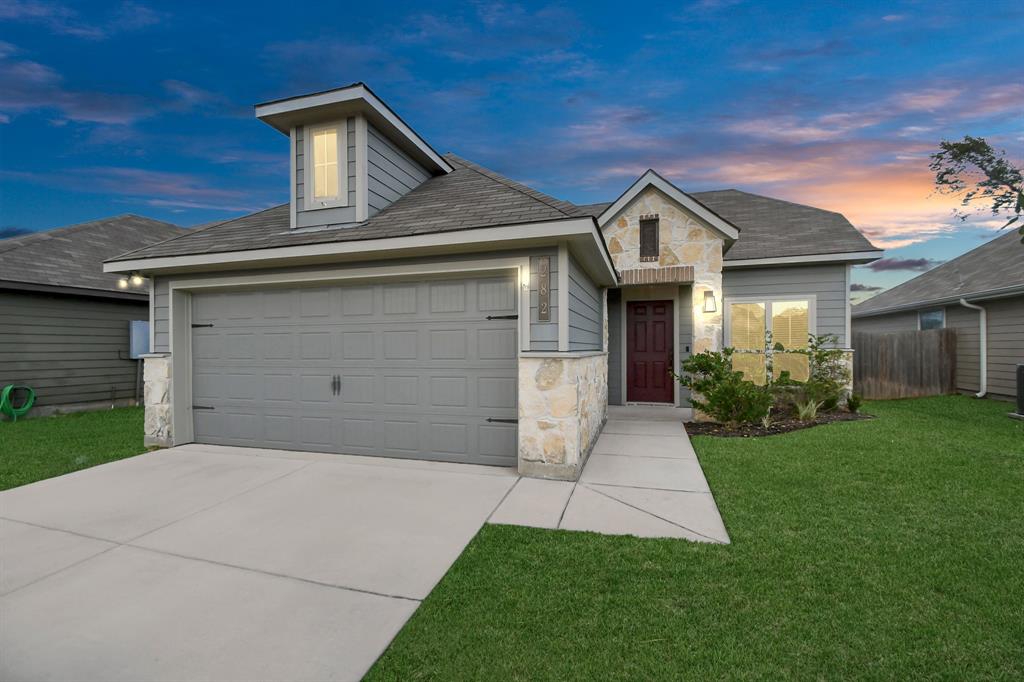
pixel 649 352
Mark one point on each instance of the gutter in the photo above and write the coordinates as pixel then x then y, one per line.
pixel 983 341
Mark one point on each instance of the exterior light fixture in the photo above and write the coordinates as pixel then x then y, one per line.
pixel 709 302
pixel 122 283
pixel 137 280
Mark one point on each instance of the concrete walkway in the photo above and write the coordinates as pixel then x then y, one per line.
pixel 642 479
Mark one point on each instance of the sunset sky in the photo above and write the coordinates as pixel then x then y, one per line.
pixel 110 108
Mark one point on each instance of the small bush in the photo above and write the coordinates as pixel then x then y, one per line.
pixel 807 410
pixel 721 392
pixel 853 403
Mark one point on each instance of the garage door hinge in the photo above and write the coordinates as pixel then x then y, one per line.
pixel 202 325
pixel 202 407
pixel 502 317
pixel 503 421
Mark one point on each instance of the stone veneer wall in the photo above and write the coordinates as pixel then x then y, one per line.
pixel 682 240
pixel 563 403
pixel 156 374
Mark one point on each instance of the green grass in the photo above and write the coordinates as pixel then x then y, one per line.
pixel 34 449
pixel 882 549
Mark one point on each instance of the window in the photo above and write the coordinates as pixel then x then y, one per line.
pixel 931 319
pixel 326 168
pixel 747 326
pixel 648 238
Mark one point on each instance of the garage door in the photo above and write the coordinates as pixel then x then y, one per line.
pixel 423 369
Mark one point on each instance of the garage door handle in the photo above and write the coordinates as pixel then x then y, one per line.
pixel 503 421
pixel 502 317
pixel 335 385
pixel 202 407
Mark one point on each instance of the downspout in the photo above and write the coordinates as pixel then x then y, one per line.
pixel 983 340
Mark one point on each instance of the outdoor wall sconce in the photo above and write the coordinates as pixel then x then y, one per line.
pixel 709 302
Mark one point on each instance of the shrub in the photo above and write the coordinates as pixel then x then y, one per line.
pixel 807 410
pixel 853 403
pixel 721 392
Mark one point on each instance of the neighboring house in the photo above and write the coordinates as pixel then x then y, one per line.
pixel 64 323
pixel 409 304
pixel 981 295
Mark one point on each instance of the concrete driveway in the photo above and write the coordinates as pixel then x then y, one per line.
pixel 204 562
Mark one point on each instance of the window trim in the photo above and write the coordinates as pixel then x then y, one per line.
pixel 931 310
pixel 310 203
pixel 812 311
pixel 656 219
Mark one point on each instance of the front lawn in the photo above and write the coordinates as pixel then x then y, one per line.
pixel 34 449
pixel 884 549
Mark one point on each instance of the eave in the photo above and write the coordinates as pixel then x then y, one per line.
pixel 581 235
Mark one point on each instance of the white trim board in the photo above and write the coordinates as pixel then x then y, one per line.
pixel 280 114
pixel 486 237
pixel 858 257
pixel 652 179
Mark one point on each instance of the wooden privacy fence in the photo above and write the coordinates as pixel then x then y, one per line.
pixel 904 364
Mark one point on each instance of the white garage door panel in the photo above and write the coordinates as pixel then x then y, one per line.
pixel 421 369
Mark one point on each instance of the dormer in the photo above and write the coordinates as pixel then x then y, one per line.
pixel 351 155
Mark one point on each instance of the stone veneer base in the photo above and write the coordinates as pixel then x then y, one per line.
pixel 563 404
pixel 156 374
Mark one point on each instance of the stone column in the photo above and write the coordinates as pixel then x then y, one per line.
pixel 156 373
pixel 563 403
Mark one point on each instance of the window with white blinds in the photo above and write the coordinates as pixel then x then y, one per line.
pixel 747 326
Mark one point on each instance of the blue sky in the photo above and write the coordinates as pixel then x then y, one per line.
pixel 118 107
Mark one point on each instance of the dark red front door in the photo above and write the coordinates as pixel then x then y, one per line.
pixel 649 351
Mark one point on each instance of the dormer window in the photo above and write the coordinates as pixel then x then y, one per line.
pixel 326 151
pixel 648 238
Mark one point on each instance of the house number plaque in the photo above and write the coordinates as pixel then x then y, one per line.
pixel 544 289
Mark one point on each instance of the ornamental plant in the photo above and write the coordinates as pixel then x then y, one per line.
pixel 720 391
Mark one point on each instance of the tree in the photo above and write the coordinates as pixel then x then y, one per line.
pixel 971 169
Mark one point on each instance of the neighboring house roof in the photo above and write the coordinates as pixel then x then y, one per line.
pixel 72 257
pixel 472 196
pixel 773 228
pixel 994 269
pixel 469 197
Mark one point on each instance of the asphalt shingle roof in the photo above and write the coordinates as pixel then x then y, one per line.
pixel 773 228
pixel 469 197
pixel 997 264
pixel 73 256
pixel 472 196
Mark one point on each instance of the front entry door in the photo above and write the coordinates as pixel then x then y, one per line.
pixel 649 351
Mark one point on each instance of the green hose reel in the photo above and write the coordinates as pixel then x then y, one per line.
pixel 7 402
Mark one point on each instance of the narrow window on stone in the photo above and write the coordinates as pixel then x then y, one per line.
pixel 649 238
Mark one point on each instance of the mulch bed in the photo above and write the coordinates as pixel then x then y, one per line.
pixel 780 424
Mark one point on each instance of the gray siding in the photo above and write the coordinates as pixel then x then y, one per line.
pixel 69 349
pixel 615 347
pixel 826 282
pixel 1005 341
pixel 324 216
pixel 544 335
pixel 585 310
pixel 392 173
pixel 882 324
pixel 685 337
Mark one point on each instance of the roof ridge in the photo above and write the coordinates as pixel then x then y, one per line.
pixel 11 243
pixel 526 190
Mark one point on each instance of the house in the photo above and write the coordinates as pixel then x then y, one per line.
pixel 410 304
pixel 981 295
pixel 64 323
